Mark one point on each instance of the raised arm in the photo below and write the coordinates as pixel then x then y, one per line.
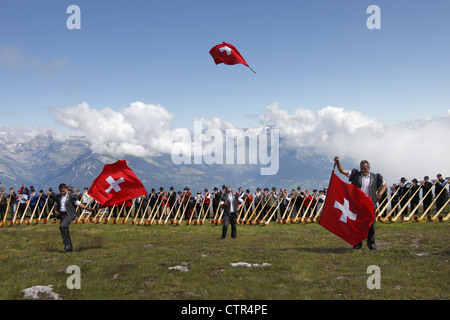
pixel 339 166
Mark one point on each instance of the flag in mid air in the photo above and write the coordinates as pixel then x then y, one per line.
pixel 226 53
pixel 347 211
pixel 117 183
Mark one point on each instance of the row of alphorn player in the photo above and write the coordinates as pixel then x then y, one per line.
pixel 252 210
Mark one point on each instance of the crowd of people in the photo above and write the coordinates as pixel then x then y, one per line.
pixel 263 203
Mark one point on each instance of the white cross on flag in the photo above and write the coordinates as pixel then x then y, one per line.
pixel 117 183
pixel 347 211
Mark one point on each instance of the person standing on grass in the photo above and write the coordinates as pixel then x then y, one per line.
pixel 230 202
pixel 65 210
pixel 372 184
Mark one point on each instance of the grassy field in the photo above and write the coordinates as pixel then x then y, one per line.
pixel 306 262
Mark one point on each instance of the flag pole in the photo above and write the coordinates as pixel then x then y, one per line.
pixel 251 69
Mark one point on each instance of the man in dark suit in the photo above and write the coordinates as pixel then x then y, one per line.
pixel 230 203
pixel 65 210
pixel 373 186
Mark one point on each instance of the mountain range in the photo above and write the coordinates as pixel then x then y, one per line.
pixel 44 161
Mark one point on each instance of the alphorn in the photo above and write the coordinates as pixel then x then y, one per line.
pixel 298 211
pixel 149 222
pixel 44 220
pixel 170 212
pixel 34 210
pixel 184 211
pixel 433 218
pixel 394 219
pixel 80 219
pixel 15 213
pixel 264 218
pixel 207 212
pixel 200 213
pixel 25 211
pixel 150 215
pixel 192 213
pixel 282 218
pixel 163 209
pixel 101 218
pixel 387 204
pixel 273 213
pixel 178 209
pixel 123 221
pixel 289 216
pixel 381 204
pixel 405 219
pixel 239 216
pixel 265 204
pixel 310 218
pixel 143 213
pixel 114 220
pixel 253 212
pixel 242 206
pixel 306 211
pixel 416 219
pixel 395 207
pixel 316 218
pixel 7 210
pixel 214 220
pixel 90 212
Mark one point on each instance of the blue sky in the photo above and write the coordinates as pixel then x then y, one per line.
pixel 306 54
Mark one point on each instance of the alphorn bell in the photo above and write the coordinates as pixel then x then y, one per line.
pixel 440 218
pixel 404 207
pixel 433 218
pixel 416 219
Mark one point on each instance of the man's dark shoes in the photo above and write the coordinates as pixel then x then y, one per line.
pixel 67 249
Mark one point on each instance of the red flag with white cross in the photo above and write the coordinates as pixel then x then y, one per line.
pixel 347 211
pixel 117 183
pixel 226 53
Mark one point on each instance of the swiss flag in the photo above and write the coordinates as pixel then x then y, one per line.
pixel 226 53
pixel 347 211
pixel 117 183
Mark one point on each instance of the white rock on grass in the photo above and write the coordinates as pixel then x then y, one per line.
pixel 245 264
pixel 41 292
pixel 181 268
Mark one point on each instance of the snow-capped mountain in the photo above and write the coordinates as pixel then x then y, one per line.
pixel 44 161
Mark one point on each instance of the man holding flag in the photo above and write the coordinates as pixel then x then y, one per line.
pixel 372 185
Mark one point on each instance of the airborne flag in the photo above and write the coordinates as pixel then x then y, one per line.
pixel 226 53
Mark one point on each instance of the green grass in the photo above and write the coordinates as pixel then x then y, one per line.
pixel 307 262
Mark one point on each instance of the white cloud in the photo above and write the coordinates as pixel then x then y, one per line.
pixel 410 149
pixel 139 130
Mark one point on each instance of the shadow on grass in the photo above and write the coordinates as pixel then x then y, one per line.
pixel 339 250
pixel 95 243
